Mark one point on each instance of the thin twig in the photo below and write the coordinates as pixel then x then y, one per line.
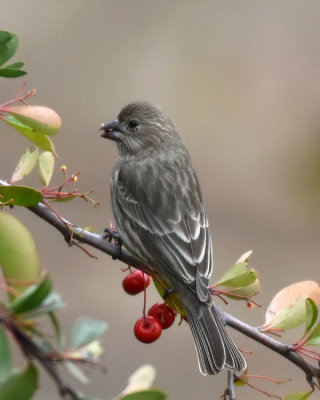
pixel 230 393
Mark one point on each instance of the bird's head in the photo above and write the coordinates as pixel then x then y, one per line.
pixel 140 127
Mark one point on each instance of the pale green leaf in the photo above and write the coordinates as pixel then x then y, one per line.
pixel 141 379
pixel 291 316
pixel 26 163
pixel 298 396
pixel 46 167
pixel 146 395
pixel 86 330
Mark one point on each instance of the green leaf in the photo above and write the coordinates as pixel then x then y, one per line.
pixel 11 73
pixel 86 330
pixel 241 382
pixel 38 138
pixel 298 396
pixel 291 316
pixel 26 163
pixel 314 338
pixel 311 314
pixel 18 253
pixel 239 275
pixel 32 297
pixel 46 166
pixel 15 65
pixel 8 46
pixel 20 385
pixel 20 195
pixel 146 395
pixel 52 302
pixel 5 355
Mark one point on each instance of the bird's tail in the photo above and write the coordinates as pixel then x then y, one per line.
pixel 215 348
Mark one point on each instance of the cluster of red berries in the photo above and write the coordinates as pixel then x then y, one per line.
pixel 160 316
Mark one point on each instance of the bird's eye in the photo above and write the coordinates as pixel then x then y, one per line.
pixel 133 123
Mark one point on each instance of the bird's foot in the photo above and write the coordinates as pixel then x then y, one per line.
pixel 111 234
pixel 168 292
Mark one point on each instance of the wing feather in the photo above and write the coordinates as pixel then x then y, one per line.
pixel 168 234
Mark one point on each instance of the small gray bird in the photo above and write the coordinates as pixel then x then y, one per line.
pixel 160 216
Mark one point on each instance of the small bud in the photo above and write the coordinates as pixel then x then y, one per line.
pixel 75 179
pixel 250 305
pixel 63 168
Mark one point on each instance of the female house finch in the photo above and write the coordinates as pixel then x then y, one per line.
pixel 160 216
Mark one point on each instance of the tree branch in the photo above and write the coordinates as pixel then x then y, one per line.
pixel 97 241
pixel 31 350
pixel 229 393
pixel 71 232
pixel 280 348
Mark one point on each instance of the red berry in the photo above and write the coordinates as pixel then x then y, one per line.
pixel 164 313
pixel 147 329
pixel 136 282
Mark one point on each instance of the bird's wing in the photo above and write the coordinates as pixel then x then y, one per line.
pixel 165 230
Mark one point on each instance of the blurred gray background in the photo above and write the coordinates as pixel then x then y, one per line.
pixel 241 81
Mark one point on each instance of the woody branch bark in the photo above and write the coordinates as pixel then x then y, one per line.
pixel 71 231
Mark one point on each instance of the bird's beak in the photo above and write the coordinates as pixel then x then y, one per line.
pixel 111 130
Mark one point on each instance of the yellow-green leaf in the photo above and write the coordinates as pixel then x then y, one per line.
pixel 19 258
pixel 298 396
pixel 238 275
pixel 246 291
pixel 172 299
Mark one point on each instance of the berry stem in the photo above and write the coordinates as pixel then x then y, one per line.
pixel 144 298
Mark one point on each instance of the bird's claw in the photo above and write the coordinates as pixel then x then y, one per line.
pixel 168 292
pixel 110 234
